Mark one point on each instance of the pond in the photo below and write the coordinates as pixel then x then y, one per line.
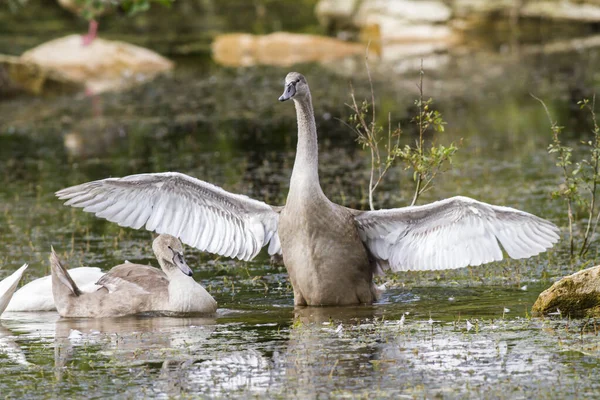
pixel 449 334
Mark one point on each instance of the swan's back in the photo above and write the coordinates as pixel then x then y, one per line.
pixel 148 278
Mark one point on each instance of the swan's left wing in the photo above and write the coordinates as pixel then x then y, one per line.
pixel 452 233
pixel 202 215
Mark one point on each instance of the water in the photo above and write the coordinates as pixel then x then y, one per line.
pixel 224 125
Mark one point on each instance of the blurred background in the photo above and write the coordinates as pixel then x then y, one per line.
pixel 92 89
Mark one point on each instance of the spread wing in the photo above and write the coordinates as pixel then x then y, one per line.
pixel 200 214
pixel 452 233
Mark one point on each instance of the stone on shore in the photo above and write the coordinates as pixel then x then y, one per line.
pixel 102 65
pixel 576 295
pixel 280 48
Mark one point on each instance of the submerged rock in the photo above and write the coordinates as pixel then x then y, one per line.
pixel 576 295
pixel 103 65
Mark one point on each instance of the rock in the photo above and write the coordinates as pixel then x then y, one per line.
pixel 280 48
pixel 17 75
pixel 103 65
pixel 409 11
pixel 576 295
pixel 561 10
pixel 335 12
pixel 481 8
pixel 396 29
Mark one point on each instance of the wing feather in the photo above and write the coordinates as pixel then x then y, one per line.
pixel 452 233
pixel 200 214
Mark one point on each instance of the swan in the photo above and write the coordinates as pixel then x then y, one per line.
pixel 132 288
pixel 330 252
pixel 8 286
pixel 37 294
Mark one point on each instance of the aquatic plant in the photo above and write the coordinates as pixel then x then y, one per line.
pixel 580 179
pixel 425 163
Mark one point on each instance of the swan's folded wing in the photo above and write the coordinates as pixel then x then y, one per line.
pixel 145 276
pixel 200 214
pixel 8 286
pixel 114 284
pixel 452 233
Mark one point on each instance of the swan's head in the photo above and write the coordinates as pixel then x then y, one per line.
pixel 295 86
pixel 169 252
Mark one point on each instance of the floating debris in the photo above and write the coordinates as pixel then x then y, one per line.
pixel 557 312
pixel 469 326
pixel 75 334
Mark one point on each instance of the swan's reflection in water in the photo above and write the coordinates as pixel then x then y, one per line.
pixel 133 341
pixel 10 348
pixel 307 353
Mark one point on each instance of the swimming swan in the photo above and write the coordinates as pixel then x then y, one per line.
pixel 132 288
pixel 37 294
pixel 331 252
pixel 8 286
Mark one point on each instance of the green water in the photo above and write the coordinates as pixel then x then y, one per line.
pixel 225 126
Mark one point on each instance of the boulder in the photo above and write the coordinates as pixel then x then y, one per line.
pixel 394 19
pixel 17 76
pixel 103 65
pixel 336 13
pixel 396 29
pixel 409 11
pixel 576 295
pixel 281 48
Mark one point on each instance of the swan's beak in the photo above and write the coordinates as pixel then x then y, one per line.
pixel 180 262
pixel 289 92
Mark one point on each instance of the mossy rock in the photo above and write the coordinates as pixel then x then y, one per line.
pixel 17 75
pixel 576 295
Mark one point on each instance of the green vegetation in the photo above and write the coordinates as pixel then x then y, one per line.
pixel 580 177
pixel 424 162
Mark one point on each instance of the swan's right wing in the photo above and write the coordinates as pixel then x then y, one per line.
pixel 202 215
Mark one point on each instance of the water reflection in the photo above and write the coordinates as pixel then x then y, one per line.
pixel 311 352
pixel 129 334
pixel 10 348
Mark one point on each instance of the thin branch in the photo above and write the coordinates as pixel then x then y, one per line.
pixel 596 162
pixel 561 155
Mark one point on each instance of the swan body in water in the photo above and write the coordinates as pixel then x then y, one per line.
pixel 131 288
pixel 331 252
pixel 37 294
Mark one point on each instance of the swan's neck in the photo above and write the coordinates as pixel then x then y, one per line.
pixel 305 175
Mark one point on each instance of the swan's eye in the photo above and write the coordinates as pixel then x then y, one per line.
pixel 298 80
